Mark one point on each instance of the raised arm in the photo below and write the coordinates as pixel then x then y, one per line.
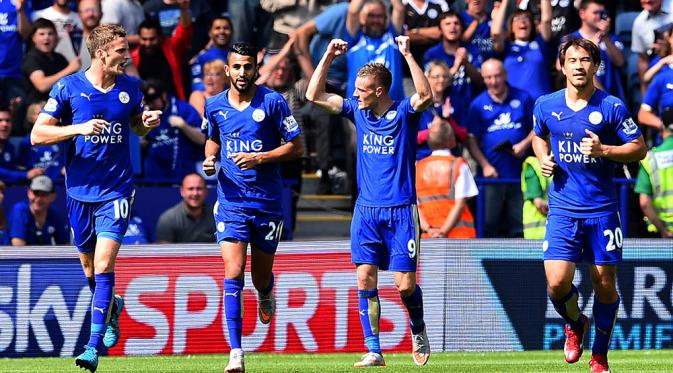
pixel 315 92
pixel 353 17
pixel 544 28
pixel 498 31
pixel 423 96
pixel 23 23
pixel 397 17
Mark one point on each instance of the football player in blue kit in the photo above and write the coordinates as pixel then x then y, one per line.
pixel 92 112
pixel 385 230
pixel 587 131
pixel 251 130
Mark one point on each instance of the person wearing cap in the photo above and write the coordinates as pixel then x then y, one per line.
pixel 36 222
pixel 174 148
pixel 655 184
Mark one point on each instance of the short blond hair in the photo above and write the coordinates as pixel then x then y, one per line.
pixel 214 65
pixel 380 73
pixel 102 36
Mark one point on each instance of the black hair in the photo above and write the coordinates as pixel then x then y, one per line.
pixel 151 24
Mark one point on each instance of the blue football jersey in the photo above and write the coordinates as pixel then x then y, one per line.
pixel 526 66
pixel 659 94
pixel 50 157
pixel 386 153
pixel 98 168
pixel 481 44
pixel 11 53
pixel 260 127
pixel 582 185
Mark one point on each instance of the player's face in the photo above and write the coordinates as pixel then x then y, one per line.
pixel 149 40
pixel 522 26
pixel 89 13
pixel 45 40
pixel 451 28
pixel 220 32
pixel 373 19
pixel 438 77
pixel 193 191
pixel 578 67
pixel 365 92
pixel 5 125
pixel 242 71
pixel 116 56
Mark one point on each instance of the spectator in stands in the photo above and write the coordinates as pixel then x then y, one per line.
pixel 214 82
pixel 68 27
pixel 42 66
pixel 444 183
pixel 36 222
pixel 477 31
pixel 657 100
pixel 90 15
pixel 438 75
pixel 370 38
pixel 655 185
pixel 125 13
pixel 9 173
pixel 526 50
pixel 664 57
pixel 500 126
pixel 4 235
pixel 565 17
pixel 160 57
pixel 168 14
pixel 534 187
pixel 12 33
pixel 463 75
pixel 192 219
pixel 173 148
pixel 217 49
pixel 596 27
pixel 51 158
pixel 642 37
pixel 136 233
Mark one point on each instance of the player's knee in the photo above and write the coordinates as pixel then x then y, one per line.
pixel 604 284
pixel 104 266
pixel 365 280
pixel 232 271
pixel 406 289
pixel 558 288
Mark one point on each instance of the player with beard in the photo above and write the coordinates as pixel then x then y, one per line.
pixel 589 131
pixel 251 129
pixel 92 112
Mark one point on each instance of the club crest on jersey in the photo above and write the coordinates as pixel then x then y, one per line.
pixel 391 115
pixel 220 227
pixel 515 103
pixel 124 97
pixel 50 105
pixel 595 117
pixel 432 13
pixel 258 115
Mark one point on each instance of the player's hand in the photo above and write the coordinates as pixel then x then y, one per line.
pixel 19 5
pixel 490 171
pixel 209 165
pixel 541 205
pixel 548 165
pixel 35 172
pixel 436 233
pixel 591 145
pixel 176 122
pixel 519 150
pixel 151 118
pixel 246 161
pixel 93 127
pixel 337 47
pixel 403 45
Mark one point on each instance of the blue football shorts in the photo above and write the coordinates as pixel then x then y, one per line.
pixel 597 240
pixel 261 229
pixel 90 220
pixel 388 237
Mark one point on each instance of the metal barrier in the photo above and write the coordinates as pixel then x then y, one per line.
pixel 623 191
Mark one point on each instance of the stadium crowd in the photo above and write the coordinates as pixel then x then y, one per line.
pixel 487 62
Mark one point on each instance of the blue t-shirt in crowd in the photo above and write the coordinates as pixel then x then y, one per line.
pixel 200 60
pixel 493 124
pixel 11 52
pixel 582 185
pixel 260 127
pixel 460 89
pixel 170 153
pixel 135 232
pixel 331 24
pixel 659 94
pixel 50 157
pixel 364 49
pixel 526 66
pixel 386 153
pixel 98 167
pixel 8 162
pixel 22 225
pixel 608 74
pixel 481 44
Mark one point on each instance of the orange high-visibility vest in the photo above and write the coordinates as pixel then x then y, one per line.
pixel 435 189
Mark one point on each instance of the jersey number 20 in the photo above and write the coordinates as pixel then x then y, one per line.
pixel 615 240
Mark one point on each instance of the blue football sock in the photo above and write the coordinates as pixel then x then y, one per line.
pixel 269 287
pixel 233 310
pixel 414 305
pixel 605 316
pixel 92 284
pixel 568 308
pixel 370 312
pixel 100 306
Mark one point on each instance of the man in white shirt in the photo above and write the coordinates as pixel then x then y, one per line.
pixel 68 27
pixel 652 17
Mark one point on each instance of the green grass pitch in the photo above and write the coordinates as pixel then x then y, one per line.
pixel 515 362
